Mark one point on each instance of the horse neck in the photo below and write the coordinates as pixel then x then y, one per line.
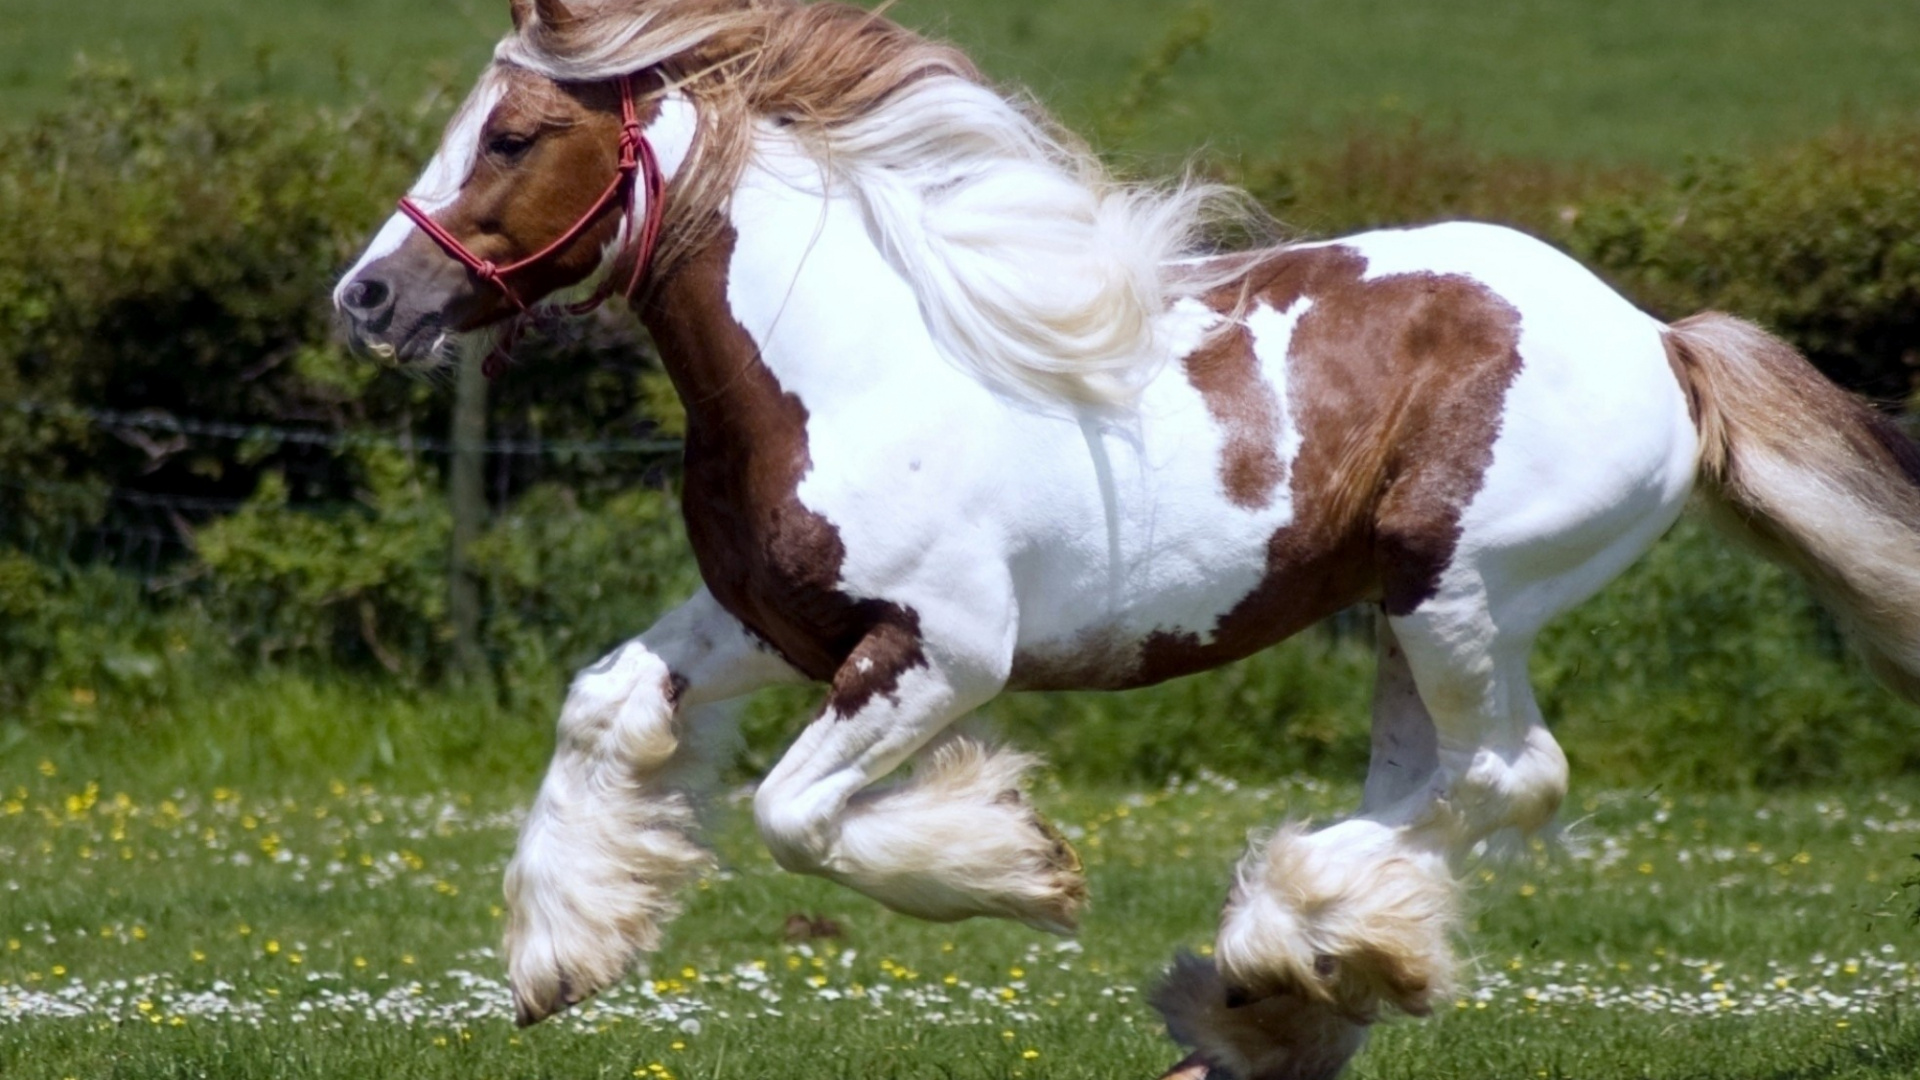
pixel 722 374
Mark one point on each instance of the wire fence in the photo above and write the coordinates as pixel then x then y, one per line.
pixel 145 532
pixel 166 423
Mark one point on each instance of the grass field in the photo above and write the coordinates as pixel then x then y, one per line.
pixel 347 930
pixel 1630 80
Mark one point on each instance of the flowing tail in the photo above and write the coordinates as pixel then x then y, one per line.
pixel 1814 477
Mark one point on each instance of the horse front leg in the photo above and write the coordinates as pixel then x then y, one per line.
pixel 958 838
pixel 612 835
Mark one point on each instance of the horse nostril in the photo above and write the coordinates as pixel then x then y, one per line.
pixel 364 297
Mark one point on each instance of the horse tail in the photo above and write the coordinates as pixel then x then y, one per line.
pixel 1814 477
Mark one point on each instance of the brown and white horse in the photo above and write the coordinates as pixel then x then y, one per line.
pixel 965 415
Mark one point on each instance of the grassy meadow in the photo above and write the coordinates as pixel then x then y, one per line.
pixel 1630 81
pixel 340 929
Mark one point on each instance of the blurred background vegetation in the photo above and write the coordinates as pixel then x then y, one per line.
pixel 224 542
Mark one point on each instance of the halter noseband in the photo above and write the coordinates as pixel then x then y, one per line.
pixel 637 159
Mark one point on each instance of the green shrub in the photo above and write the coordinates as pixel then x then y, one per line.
pixel 1416 174
pixel 1820 243
pixel 567 582
pixel 79 646
pixel 1706 666
pixel 167 249
pixel 365 579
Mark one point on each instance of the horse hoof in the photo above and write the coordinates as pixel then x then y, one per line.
pixel 529 1008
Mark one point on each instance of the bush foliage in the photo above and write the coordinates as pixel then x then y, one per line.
pixel 1818 242
pixel 167 251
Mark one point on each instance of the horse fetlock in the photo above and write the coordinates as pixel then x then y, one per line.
pixel 1355 917
pixel 622 707
pixel 1496 789
pixel 799 832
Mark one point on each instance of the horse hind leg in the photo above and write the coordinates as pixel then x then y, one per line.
pixel 1329 929
pixel 1300 966
pixel 1355 915
pixel 1360 914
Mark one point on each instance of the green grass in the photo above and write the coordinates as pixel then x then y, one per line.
pixel 307 928
pixel 1629 80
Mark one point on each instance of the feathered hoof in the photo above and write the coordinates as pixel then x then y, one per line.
pixel 536 998
pixel 1282 1036
pixel 543 986
pixel 962 840
pixel 1350 915
pixel 559 956
pixel 584 904
pixel 1056 909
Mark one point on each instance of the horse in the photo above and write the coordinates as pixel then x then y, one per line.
pixel 968 415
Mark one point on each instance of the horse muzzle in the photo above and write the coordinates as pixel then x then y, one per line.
pixel 404 320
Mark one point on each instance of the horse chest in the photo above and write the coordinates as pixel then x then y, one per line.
pixel 772 562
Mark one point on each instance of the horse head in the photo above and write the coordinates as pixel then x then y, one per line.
pixel 545 194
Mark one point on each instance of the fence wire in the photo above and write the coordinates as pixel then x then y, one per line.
pixel 146 532
pixel 166 423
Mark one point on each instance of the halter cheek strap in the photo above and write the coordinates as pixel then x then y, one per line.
pixel 639 167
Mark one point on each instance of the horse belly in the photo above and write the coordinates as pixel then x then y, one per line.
pixel 1157 532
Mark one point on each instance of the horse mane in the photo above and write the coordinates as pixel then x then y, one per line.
pixel 1033 265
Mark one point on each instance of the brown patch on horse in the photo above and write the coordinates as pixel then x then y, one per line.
pixel 889 650
pixel 1397 385
pixel 770 561
pixel 1227 374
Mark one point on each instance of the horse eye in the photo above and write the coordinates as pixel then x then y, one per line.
pixel 509 146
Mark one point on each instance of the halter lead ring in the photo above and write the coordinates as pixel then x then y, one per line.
pixel 637 159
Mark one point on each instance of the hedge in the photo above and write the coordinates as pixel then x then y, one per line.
pixel 166 248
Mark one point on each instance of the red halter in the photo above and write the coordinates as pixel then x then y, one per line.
pixel 636 159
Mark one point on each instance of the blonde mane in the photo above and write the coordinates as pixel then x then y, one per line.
pixel 1033 265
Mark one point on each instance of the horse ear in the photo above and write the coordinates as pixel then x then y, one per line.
pixel 550 12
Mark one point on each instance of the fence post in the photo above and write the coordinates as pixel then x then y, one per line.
pixel 466 494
